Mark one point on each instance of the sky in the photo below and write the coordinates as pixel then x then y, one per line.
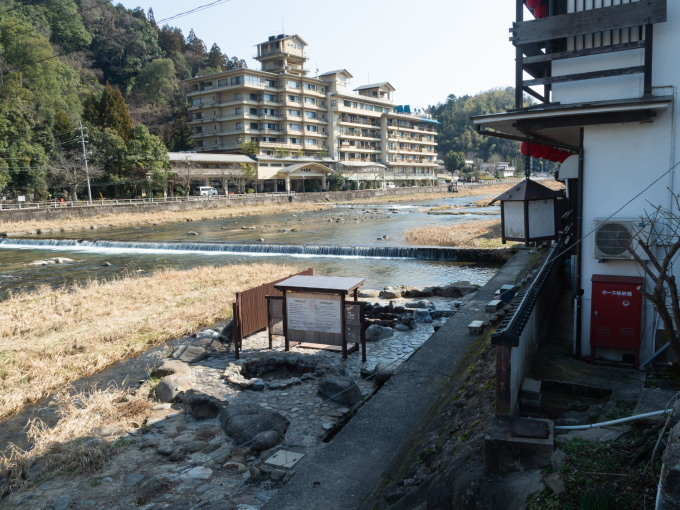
pixel 426 49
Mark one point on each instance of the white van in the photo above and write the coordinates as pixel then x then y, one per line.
pixel 207 191
pixel 389 185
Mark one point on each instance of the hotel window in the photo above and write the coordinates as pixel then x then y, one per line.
pixel 271 83
pixel 311 115
pixel 254 125
pixel 238 111
pixel 294 113
pixel 294 99
pixel 293 84
pixel 312 129
pixel 310 100
pixel 311 141
pixel 239 125
pixel 347 103
pixel 222 83
pixel 310 86
pixel 236 80
pixel 253 80
pixel 270 97
pixel 294 140
pixel 294 127
pixel 253 111
pixel 237 95
pixel 270 139
pixel 196 102
pixel 253 97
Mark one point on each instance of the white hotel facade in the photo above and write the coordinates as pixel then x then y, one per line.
pixel 306 127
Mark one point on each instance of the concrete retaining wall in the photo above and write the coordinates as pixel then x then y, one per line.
pixel 533 335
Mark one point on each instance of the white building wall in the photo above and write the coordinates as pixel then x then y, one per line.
pixel 620 161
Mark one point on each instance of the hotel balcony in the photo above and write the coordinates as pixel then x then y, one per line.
pixel 570 43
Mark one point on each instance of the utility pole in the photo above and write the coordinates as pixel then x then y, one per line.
pixel 87 171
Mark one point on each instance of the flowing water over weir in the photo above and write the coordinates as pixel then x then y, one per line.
pixel 390 252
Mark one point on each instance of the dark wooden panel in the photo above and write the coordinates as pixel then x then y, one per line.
pixel 644 12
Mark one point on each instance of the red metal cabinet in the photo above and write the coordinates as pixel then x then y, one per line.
pixel 616 313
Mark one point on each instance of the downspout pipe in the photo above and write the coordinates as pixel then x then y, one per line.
pixel 579 252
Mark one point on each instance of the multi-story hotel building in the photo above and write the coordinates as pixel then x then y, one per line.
pixel 306 127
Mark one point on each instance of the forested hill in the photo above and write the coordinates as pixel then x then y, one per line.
pixel 458 139
pixel 117 70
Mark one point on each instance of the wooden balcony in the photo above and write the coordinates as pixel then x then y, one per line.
pixel 567 35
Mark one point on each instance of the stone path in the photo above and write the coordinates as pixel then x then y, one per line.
pixel 177 461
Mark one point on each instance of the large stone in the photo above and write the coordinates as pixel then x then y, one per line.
pixel 243 422
pixel 171 388
pixel 190 353
pixel 172 366
pixel 384 371
pixel 422 315
pixel 226 334
pixel 457 290
pixel 416 292
pixel 376 332
pixel 420 303
pixel 202 406
pixel 342 390
pixel 266 440
pixel 391 293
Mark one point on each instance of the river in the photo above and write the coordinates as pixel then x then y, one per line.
pixel 132 250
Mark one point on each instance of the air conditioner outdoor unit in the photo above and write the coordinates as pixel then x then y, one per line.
pixel 613 237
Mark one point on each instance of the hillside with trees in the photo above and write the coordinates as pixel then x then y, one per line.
pixel 458 141
pixel 115 70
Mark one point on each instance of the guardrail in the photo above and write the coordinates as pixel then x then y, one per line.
pixel 58 204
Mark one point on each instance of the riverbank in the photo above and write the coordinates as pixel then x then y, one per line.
pixel 480 234
pixel 52 337
pixel 45 221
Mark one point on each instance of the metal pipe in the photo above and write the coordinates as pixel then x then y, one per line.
pixel 643 364
pixel 613 422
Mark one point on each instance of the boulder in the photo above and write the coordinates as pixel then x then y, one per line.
pixel 421 303
pixel 391 293
pixel 457 290
pixel 190 353
pixel 243 422
pixel 384 371
pixel 266 440
pixel 416 292
pixel 342 390
pixel 422 315
pixel 226 334
pixel 172 366
pixel 376 332
pixel 171 388
pixel 202 406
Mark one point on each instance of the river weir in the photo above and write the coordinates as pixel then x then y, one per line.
pixel 381 252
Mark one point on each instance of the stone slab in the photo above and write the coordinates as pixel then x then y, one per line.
pixel 284 458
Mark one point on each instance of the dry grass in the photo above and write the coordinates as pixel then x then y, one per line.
pixel 74 223
pixel 483 234
pixel 49 337
pixel 75 444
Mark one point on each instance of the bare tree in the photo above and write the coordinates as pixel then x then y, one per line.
pixel 661 243
pixel 68 172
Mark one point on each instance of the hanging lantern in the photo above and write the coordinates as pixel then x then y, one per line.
pixel 541 11
pixel 528 212
pixel 532 4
